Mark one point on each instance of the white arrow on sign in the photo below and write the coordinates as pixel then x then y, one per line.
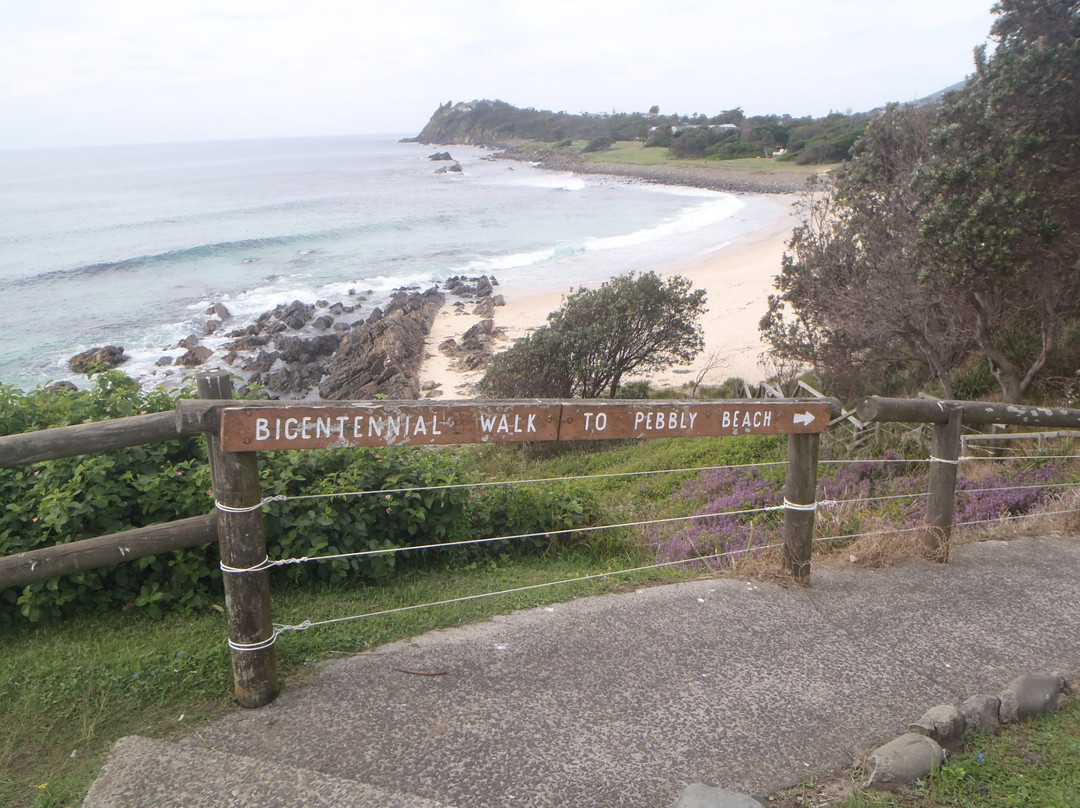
pixel 804 418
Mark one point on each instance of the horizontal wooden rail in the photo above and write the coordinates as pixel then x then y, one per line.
pixel 878 409
pixel 98 436
pixel 103 551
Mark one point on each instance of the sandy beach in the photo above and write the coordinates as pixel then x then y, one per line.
pixel 738 278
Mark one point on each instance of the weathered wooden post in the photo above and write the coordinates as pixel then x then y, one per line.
pixel 941 504
pixel 800 504
pixel 242 543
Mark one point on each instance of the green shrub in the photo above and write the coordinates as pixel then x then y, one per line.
pixel 76 498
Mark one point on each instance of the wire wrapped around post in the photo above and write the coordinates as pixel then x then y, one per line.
pixel 242 543
pixel 800 504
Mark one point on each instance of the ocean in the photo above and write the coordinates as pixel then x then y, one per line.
pixel 130 245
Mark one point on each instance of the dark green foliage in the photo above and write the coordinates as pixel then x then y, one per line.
pixel 691 143
pixel 76 498
pixel 629 324
pixel 998 195
pixel 601 143
pixel 952 230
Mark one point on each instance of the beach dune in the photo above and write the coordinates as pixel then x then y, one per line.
pixel 737 277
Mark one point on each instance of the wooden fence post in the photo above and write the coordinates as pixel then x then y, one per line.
pixel 941 504
pixel 800 504
pixel 242 544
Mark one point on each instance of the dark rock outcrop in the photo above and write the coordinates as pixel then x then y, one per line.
pixel 384 355
pixel 440 156
pixel 476 347
pixel 110 356
pixel 195 356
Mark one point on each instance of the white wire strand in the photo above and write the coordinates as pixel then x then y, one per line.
pixel 574 478
pixel 306 624
pixel 540 534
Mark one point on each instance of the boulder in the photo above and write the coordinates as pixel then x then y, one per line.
pixel 440 156
pixel 700 795
pixel 261 363
pixel 981 713
pixel 109 356
pixel 219 311
pixel 904 760
pixel 298 349
pixel 249 342
pixel 62 387
pixel 195 356
pixel 485 308
pixel 944 724
pixel 1031 695
pixel 455 168
pixel 295 315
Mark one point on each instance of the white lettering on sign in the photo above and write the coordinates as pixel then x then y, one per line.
pixel 598 419
pixel 741 419
pixel 391 428
pixel 652 421
pixel 491 424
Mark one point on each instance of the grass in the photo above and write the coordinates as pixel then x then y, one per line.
pixel 1036 763
pixel 635 153
pixel 69 690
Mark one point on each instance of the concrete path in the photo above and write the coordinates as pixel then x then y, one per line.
pixel 621 701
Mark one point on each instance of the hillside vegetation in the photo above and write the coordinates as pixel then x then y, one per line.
pixel 727 135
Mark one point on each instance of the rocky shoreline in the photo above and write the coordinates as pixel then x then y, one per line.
pixel 301 350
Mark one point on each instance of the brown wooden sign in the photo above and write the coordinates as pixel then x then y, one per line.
pixel 645 419
pixel 319 426
pixel 399 424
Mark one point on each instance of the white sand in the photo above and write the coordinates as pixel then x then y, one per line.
pixel 737 278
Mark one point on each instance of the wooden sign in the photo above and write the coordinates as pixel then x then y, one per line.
pixel 255 429
pixel 646 419
pixel 320 426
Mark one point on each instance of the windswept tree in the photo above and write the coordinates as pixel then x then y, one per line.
pixel 849 297
pixel 951 230
pixel 1000 221
pixel 630 324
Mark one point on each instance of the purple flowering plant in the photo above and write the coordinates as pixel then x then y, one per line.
pixel 737 509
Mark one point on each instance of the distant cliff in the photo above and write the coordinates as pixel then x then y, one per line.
pixel 496 122
pixel 726 136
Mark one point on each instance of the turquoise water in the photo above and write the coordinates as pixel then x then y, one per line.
pixel 130 245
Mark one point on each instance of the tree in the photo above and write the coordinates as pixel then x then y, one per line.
pixel 951 230
pixel 630 324
pixel 850 299
pixel 999 216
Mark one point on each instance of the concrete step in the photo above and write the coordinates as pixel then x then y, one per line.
pixel 143 772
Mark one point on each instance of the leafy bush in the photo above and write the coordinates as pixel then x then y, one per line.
pixel 601 143
pixel 630 324
pixel 75 498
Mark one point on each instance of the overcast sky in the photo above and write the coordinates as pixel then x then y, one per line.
pixel 82 72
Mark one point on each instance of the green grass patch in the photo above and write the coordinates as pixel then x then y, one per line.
pixel 1036 763
pixel 635 153
pixel 70 689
